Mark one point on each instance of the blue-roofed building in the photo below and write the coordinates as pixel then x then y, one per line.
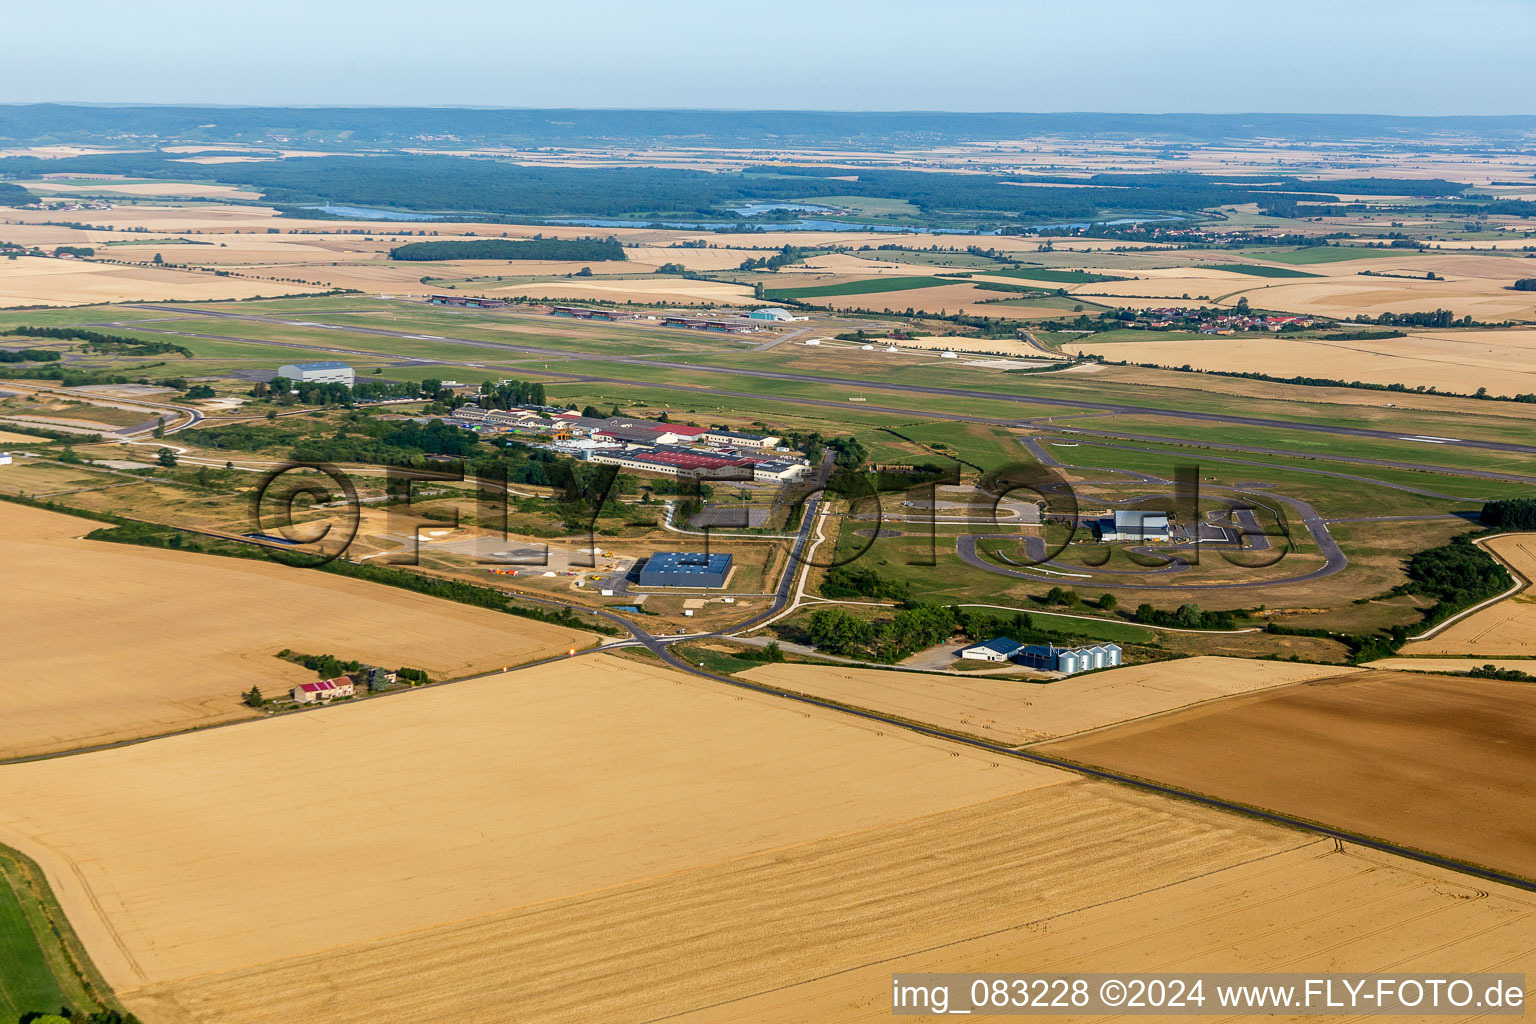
pixel 685 569
pixel 999 648
pixel 1068 660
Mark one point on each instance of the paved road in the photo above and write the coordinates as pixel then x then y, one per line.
pixel 1334 560
pixel 857 384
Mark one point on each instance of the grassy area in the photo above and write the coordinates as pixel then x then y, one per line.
pixel 868 206
pixel 1258 271
pixel 42 963
pixel 1098 629
pixel 1320 254
pixel 876 284
pixel 1057 276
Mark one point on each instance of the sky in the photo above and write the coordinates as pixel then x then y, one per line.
pixel 1141 56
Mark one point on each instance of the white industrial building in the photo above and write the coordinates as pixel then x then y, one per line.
pixel 777 315
pixel 780 472
pixel 999 648
pixel 318 373
pixel 5 458
pixel 736 440
pixel 1133 525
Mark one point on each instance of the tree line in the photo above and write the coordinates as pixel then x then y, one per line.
pixel 95 341
pixel 594 250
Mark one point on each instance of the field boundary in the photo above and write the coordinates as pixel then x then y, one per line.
pixel 1521 582
pixel 65 955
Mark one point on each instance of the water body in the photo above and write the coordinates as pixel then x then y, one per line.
pixel 751 209
pixel 818 224
pixel 803 224
pixel 372 213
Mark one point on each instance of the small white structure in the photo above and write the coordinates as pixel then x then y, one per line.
pixel 949 355
pixel 779 472
pixel 999 648
pixel 813 341
pixel 5 459
pixel 318 373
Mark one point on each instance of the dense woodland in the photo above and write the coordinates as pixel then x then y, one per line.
pixel 587 250
pixel 494 188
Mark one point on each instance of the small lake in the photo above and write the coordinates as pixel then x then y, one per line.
pixel 747 210
pixel 372 213
pixel 818 224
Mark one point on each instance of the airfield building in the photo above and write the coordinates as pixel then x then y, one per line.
pixel 782 316
pixel 1134 525
pixel 685 569
pixel 734 439
pixel 999 648
pixel 318 373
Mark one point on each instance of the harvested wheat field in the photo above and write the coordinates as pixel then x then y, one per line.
pixel 1506 628
pixel 1025 712
pixel 1504 362
pixel 965 343
pixel 946 297
pixel 1361 911
pixel 107 642
pixel 613 841
pixel 463 826
pixel 669 289
pixel 40 281
pixel 1437 763
pixel 1450 665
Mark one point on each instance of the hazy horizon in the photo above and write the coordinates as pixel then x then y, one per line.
pixel 1177 56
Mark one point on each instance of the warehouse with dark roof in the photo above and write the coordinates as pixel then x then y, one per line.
pixel 685 569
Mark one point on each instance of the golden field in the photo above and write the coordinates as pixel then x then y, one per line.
pixel 39 281
pixel 613 841
pixel 109 642
pixel 1428 762
pixel 1504 362
pixel 1014 712
pixel 440 807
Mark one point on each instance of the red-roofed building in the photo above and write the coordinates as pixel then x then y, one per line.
pixel 325 689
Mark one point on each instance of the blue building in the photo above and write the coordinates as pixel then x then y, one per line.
pixel 1068 660
pixel 685 569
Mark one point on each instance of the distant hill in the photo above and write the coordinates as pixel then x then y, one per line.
pixel 372 127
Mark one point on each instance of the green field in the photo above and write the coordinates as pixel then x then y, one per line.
pixel 869 206
pixel 878 284
pixel 1056 276
pixel 39 975
pixel 1321 254
pixel 1258 271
